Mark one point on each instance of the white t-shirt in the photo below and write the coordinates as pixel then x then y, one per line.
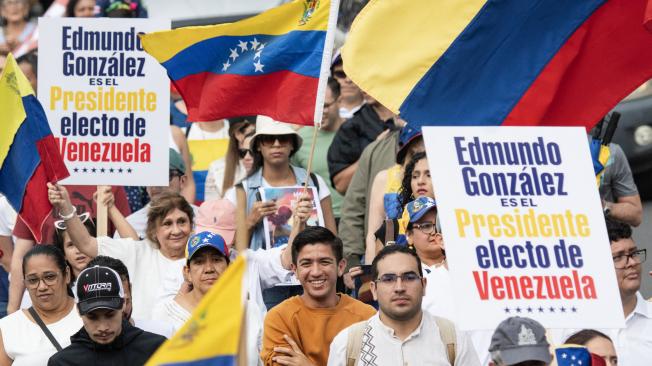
pixel 196 133
pixel 215 178
pixel 154 278
pixel 7 217
pixel 439 292
pixel 324 191
pixel 25 342
pixel 439 301
pixel 138 221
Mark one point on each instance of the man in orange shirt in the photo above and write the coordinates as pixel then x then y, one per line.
pixel 299 330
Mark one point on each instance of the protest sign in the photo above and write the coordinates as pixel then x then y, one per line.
pixel 279 225
pixel 523 226
pixel 107 100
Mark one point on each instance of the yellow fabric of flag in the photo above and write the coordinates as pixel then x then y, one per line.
pixel 213 332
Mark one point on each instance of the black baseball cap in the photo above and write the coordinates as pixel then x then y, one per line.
pixel 99 288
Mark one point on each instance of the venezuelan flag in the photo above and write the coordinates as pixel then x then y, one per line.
pixel 500 62
pixel 212 335
pixel 269 64
pixel 29 156
pixel 575 355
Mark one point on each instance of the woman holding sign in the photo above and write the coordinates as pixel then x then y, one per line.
pixel 155 263
pixel 273 145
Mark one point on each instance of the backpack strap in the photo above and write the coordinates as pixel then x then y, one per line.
pixel 448 337
pixel 315 182
pixel 354 342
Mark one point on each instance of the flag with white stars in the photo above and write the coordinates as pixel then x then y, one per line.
pixel 274 64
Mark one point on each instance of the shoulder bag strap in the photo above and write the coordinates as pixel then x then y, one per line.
pixel 354 342
pixel 44 328
pixel 448 337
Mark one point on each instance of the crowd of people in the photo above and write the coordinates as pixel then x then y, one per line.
pixel 368 285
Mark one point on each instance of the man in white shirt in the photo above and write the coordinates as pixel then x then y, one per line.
pixel 634 342
pixel 401 333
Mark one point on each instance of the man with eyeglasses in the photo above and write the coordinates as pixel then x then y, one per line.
pixel 634 342
pixel 401 333
pixel 177 180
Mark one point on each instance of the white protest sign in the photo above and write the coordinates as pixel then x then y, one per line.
pixel 107 100
pixel 523 226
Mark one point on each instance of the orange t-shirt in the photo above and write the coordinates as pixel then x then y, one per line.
pixel 312 329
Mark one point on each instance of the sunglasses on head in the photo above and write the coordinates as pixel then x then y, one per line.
pixel 243 152
pixel 61 224
pixel 270 139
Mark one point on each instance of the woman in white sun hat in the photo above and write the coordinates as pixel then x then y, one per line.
pixel 273 145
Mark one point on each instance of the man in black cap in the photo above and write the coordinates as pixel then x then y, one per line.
pixel 519 341
pixel 106 338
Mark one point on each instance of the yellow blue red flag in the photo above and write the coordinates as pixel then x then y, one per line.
pixel 270 64
pixel 29 156
pixel 500 62
pixel 212 335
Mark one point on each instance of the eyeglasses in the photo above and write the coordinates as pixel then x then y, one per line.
pixel 426 227
pixel 243 152
pixel 269 140
pixel 637 256
pixel 61 224
pixel 391 278
pixel 339 74
pixel 50 279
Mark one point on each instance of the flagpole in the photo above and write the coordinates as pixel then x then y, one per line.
pixel 324 73
pixel 312 153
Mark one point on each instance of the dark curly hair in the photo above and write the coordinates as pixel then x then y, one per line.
pixel 617 230
pixel 405 192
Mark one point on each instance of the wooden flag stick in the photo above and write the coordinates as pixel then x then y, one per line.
pixel 102 213
pixel 312 153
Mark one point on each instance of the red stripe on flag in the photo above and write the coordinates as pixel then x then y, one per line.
pixel 284 96
pixel 600 64
pixel 36 206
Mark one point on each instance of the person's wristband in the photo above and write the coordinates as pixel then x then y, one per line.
pixel 68 216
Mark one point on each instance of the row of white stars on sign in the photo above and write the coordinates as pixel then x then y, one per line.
pixel 256 47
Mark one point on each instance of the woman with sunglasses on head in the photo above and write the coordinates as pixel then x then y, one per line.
pixel 155 262
pixel 273 145
pixel 76 260
pixel 23 341
pixel 224 172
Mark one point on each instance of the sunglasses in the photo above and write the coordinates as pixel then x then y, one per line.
pixel 61 224
pixel 339 74
pixel 268 140
pixel 243 152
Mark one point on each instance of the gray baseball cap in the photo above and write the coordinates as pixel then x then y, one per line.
pixel 520 339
